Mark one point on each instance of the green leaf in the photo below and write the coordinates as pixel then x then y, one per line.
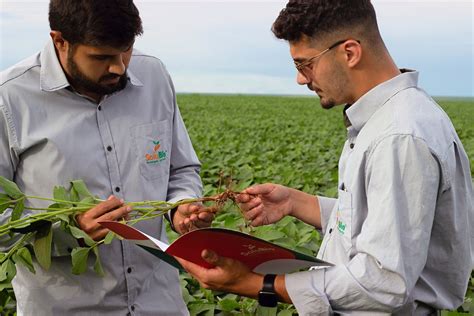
pixel 228 305
pixel 79 233
pixel 79 259
pixel 64 218
pixel 23 256
pixel 42 246
pixel 60 193
pixel 88 200
pixel 285 312
pixel 74 196
pixel 7 272
pixel 17 210
pixel 266 311
pixel 268 233
pixel 4 205
pixel 197 307
pixel 80 187
pixel 10 188
pixel 98 265
pixel 108 238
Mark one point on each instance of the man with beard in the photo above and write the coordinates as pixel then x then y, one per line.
pixel 90 107
pixel 400 233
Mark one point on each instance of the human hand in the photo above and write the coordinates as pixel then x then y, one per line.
pixel 111 210
pixel 228 275
pixel 191 216
pixel 265 204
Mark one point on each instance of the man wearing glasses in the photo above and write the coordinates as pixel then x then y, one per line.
pixel 400 233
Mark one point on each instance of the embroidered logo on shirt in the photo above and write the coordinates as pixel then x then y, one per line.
pixel 341 226
pixel 157 155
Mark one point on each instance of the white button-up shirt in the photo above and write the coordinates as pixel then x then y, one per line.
pixel 401 232
pixel 49 135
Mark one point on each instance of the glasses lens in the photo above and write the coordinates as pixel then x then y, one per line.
pixel 306 71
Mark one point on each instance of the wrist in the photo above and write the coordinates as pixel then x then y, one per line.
pixel 250 286
pixel 292 198
pixel 171 217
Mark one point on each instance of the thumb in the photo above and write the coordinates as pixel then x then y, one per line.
pixel 259 189
pixel 212 257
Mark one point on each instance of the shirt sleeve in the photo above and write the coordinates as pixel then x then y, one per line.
pixel 402 180
pixel 325 206
pixel 8 162
pixel 184 180
pixel 9 159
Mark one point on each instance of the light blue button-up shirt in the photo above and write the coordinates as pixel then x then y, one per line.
pixel 49 135
pixel 401 232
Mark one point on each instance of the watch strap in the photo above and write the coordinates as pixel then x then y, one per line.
pixel 267 296
pixel 269 283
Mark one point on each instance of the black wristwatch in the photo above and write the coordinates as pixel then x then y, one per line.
pixel 267 296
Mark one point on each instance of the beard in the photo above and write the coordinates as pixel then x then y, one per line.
pixel 338 85
pixel 81 82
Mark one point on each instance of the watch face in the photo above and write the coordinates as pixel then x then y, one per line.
pixel 267 299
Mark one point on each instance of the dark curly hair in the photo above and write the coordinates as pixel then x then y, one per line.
pixel 321 18
pixel 113 23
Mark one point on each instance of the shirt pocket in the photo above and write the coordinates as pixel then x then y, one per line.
pixel 344 219
pixel 152 145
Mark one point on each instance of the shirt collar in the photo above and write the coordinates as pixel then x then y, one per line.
pixel 52 76
pixel 360 112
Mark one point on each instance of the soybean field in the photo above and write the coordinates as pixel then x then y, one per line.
pixel 243 140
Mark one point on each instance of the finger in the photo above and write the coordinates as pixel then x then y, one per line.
pixel 259 221
pixel 194 208
pixel 251 204
pixel 104 207
pixel 260 189
pixel 253 213
pixel 189 224
pixel 190 267
pixel 186 209
pixel 116 214
pixel 199 224
pixel 212 257
pixel 182 228
pixel 206 217
pixel 99 234
pixel 243 198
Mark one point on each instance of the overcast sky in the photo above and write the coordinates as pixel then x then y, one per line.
pixel 227 46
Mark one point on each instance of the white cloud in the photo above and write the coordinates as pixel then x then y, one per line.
pixel 227 46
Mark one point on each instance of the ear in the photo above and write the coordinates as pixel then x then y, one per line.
pixel 59 42
pixel 353 53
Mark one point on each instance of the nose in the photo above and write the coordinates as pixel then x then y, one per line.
pixel 302 79
pixel 117 66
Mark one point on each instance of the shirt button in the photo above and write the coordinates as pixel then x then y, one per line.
pixel 330 230
pixel 109 148
pixel 132 308
pixel 351 145
pixel 117 189
pixel 129 270
pixel 99 108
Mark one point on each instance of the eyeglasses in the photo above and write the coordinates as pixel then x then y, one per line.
pixel 306 67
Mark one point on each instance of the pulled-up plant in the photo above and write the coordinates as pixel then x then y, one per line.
pixel 30 233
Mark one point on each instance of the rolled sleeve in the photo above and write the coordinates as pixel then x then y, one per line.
pixel 306 290
pixel 326 206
